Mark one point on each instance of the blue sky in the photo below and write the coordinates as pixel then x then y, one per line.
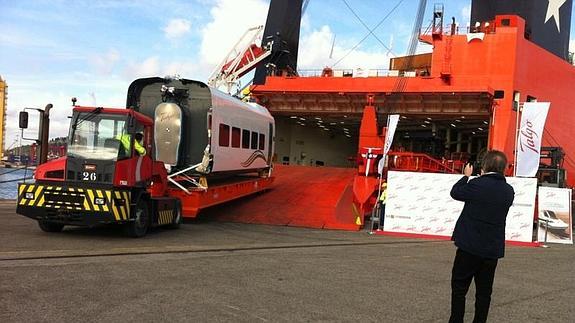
pixel 52 50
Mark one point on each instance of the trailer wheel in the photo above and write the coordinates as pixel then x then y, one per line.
pixel 178 218
pixel 47 226
pixel 139 227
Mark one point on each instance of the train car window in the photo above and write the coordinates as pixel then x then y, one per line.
pixel 224 135
pixel 262 141
pixel 236 135
pixel 254 140
pixel 246 139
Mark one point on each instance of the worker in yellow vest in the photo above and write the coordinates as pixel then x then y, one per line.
pixel 382 200
pixel 125 140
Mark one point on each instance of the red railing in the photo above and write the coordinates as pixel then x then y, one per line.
pixel 418 162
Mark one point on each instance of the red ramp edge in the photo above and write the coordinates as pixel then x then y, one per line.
pixel 301 196
pixel 439 237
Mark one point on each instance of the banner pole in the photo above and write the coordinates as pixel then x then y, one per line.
pixel 518 112
pixel 383 157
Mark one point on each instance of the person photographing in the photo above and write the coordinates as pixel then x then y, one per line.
pixel 479 233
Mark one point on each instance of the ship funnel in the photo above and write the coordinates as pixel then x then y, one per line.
pixel 548 23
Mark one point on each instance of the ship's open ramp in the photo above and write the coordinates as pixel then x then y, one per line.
pixel 302 196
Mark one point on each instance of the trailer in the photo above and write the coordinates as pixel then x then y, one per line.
pixel 172 152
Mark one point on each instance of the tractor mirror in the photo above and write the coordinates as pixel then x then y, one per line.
pixel 23 120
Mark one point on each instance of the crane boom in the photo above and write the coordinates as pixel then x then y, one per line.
pixel 242 58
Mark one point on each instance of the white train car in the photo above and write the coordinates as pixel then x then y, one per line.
pixel 242 134
pixel 203 130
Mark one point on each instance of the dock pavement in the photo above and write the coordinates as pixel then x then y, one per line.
pixel 208 271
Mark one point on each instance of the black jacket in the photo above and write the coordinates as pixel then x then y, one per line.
pixel 480 229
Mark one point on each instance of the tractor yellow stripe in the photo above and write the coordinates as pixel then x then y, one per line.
pixel 41 201
pixel 112 205
pixel 21 189
pixel 22 195
pixel 91 195
pixel 32 189
pixel 86 204
pixel 105 205
pixel 23 200
pixel 127 203
pixel 37 193
pixel 120 206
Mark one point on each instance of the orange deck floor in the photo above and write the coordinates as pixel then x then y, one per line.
pixel 301 196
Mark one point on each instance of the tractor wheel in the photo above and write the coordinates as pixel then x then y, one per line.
pixel 48 226
pixel 139 226
pixel 178 218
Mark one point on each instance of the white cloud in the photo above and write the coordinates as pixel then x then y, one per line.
pixel 177 28
pixel 572 47
pixel 226 27
pixel 18 38
pixel 154 66
pixel 149 67
pixel 105 63
pixel 315 48
pixel 185 69
pixel 109 92
pixel 305 23
pixel 466 13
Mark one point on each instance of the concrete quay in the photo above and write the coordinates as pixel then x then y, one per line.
pixel 227 272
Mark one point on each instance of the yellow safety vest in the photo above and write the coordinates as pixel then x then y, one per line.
pixel 383 196
pixel 125 140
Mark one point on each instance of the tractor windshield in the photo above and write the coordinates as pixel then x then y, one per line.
pixel 95 135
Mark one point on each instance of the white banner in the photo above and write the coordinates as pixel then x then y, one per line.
pixel 533 118
pixel 555 215
pixel 420 203
pixel 391 126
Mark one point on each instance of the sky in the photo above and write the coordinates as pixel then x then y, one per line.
pixel 53 50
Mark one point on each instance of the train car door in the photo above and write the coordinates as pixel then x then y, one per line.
pixel 167 132
pixel 270 143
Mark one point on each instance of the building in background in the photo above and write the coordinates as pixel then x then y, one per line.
pixel 3 100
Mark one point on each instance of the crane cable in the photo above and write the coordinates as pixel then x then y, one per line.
pixel 367 27
pixel 374 28
pixel 414 40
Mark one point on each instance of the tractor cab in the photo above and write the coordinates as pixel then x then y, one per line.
pixel 109 146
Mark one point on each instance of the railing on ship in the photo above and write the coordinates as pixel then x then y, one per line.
pixel 358 72
pixel 418 162
pixel 458 30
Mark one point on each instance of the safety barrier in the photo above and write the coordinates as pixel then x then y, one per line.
pixel 418 162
